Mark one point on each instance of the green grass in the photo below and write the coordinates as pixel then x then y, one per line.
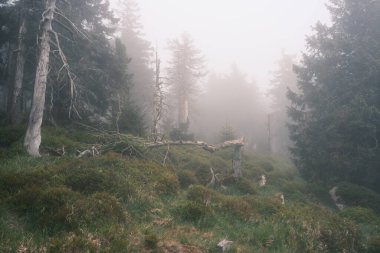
pixel 127 200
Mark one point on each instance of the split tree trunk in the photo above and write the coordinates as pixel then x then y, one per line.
pixel 14 111
pixel 32 139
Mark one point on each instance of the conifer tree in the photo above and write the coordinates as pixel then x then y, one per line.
pixel 283 79
pixel 140 52
pixel 337 115
pixel 186 67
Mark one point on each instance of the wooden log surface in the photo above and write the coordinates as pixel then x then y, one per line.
pixel 204 145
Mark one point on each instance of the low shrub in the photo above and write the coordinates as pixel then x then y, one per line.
pixel 199 194
pixel 96 210
pixel 186 178
pixel 360 215
pixel 167 184
pixel 355 195
pixel 246 186
pixel 13 182
pixel 267 166
pixel 236 207
pixel 74 243
pixel 115 239
pixel 203 174
pixel 316 229
pixel 150 240
pixel 11 134
pixel 373 244
pixel 88 180
pixel 265 206
pixel 196 213
pixel 229 180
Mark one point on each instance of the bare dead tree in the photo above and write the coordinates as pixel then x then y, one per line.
pixel 32 139
pixel 118 114
pixel 158 100
pixel 69 74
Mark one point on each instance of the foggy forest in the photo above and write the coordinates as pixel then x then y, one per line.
pixel 189 126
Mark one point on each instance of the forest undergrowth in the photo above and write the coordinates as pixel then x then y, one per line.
pixel 131 198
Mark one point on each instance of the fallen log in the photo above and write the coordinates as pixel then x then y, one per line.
pixel 202 144
pixel 236 158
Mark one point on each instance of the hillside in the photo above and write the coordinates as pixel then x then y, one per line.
pixel 130 198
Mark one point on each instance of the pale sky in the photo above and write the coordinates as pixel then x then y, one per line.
pixel 250 33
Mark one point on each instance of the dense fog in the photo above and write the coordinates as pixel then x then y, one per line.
pixel 243 45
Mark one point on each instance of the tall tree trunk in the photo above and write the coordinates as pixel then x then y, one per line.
pixel 183 111
pixel 32 139
pixel 158 100
pixel 14 103
pixel 236 162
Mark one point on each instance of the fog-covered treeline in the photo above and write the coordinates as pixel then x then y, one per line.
pixel 230 100
pixel 283 80
pixel 68 62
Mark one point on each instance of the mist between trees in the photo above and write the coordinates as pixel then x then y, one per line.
pixel 80 61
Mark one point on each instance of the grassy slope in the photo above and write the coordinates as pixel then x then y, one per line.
pixel 125 200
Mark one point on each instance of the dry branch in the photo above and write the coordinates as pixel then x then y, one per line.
pixel 93 151
pixel 68 72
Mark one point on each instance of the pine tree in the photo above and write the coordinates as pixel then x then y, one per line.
pixel 185 69
pixel 140 52
pixel 336 116
pixel 283 79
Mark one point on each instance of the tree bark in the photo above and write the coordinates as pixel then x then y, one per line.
pixel 14 111
pixel 158 100
pixel 236 162
pixel 32 139
pixel 183 111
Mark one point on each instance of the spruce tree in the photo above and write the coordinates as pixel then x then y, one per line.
pixel 336 116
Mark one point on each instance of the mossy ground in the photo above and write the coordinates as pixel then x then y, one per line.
pixel 126 200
